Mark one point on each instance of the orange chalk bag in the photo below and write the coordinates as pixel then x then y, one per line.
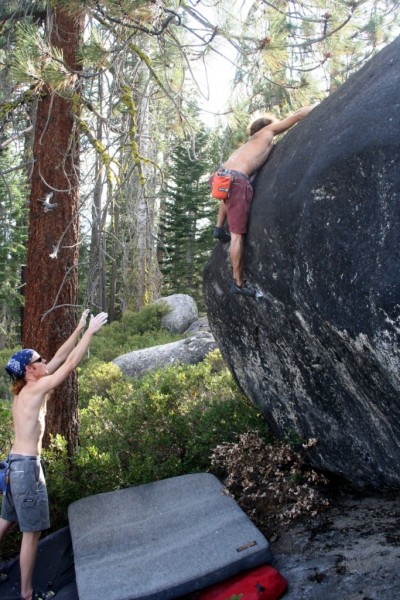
pixel 221 185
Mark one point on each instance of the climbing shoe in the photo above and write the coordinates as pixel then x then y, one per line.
pixel 221 235
pixel 243 291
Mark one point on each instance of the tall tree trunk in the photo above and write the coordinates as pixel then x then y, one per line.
pixel 139 266
pixel 96 292
pixel 114 258
pixel 144 222
pixel 51 273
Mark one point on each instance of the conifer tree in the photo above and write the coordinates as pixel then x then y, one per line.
pixel 188 212
pixel 295 53
pixel 52 250
pixel 13 235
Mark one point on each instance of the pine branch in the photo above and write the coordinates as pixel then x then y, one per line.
pixel 8 107
pixel 136 25
pixel 106 120
pixel 127 98
pixel 21 15
pixel 100 149
pixel 143 56
pixel 17 168
pixel 16 136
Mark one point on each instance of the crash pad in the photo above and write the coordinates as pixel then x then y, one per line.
pixel 161 540
pixel 54 569
pixel 262 583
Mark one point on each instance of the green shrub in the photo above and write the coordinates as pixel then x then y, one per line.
pixel 145 320
pixel 133 332
pixel 70 478
pixel 95 379
pixel 134 431
pixel 166 423
pixel 62 486
pixel 4 378
pixel 6 427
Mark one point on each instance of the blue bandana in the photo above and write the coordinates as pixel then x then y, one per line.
pixel 17 363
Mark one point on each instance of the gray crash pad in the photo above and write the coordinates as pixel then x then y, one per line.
pixel 161 540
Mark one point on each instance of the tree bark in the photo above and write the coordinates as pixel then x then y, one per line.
pixel 96 283
pixel 140 268
pixel 114 252
pixel 52 257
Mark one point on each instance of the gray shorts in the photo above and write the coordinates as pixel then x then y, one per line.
pixel 26 500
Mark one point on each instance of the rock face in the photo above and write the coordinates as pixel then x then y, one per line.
pixel 200 325
pixel 189 351
pixel 183 312
pixel 349 552
pixel 320 352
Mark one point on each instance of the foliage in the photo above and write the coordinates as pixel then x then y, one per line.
pixel 35 60
pixel 270 481
pixel 6 438
pixel 6 429
pixel 135 330
pixel 167 422
pixel 13 235
pixel 306 50
pixel 71 478
pixel 96 379
pixel 5 394
pixel 188 215
pixel 137 431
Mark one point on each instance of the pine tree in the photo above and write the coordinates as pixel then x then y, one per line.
pixel 188 212
pixel 52 257
pixel 295 53
pixel 13 235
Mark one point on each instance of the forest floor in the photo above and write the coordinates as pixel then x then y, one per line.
pixel 349 551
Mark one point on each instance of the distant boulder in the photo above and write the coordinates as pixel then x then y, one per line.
pixel 189 351
pixel 200 325
pixel 183 312
pixel 320 352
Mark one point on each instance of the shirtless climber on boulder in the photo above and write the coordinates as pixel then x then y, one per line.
pixel 243 163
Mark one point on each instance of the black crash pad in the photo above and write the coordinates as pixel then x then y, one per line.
pixel 54 569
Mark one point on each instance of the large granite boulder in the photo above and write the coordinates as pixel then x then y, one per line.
pixel 189 351
pixel 182 312
pixel 320 352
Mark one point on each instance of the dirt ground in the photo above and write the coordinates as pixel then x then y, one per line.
pixel 351 551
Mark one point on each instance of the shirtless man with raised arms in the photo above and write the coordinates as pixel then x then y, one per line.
pixel 25 500
pixel 243 163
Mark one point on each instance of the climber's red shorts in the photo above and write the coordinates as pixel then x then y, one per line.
pixel 239 201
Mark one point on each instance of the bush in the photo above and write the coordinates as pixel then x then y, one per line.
pixel 4 378
pixel 6 428
pixel 166 423
pixel 134 431
pixel 133 332
pixel 96 379
pixel 87 472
